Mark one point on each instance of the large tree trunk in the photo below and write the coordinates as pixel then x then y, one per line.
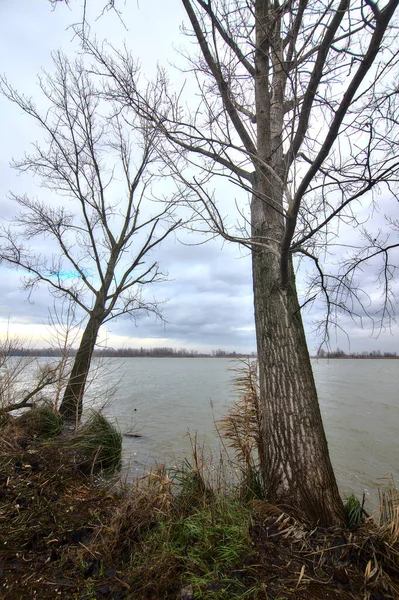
pixel 72 402
pixel 296 466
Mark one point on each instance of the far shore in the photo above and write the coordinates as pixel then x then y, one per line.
pixel 234 356
pixel 352 357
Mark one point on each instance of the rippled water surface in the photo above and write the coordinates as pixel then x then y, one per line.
pixel 164 398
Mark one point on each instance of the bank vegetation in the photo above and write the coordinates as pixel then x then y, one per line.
pixel 70 528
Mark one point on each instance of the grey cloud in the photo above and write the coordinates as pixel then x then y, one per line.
pixel 210 303
pixel 210 287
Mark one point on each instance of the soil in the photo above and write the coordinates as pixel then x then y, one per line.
pixel 50 511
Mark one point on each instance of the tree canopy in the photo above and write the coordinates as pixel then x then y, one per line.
pixel 106 220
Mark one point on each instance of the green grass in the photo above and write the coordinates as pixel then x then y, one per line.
pixel 354 510
pixel 251 484
pixel 41 421
pixel 204 549
pixel 176 531
pixel 190 481
pixel 196 537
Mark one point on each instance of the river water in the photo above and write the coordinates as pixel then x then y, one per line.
pixel 162 399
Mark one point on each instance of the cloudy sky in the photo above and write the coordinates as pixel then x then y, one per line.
pixel 209 290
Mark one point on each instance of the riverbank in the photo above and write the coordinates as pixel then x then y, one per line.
pixel 68 533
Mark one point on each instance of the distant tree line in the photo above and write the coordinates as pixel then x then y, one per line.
pixel 338 353
pixel 164 351
pixel 131 352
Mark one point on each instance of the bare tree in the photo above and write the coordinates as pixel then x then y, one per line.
pixel 106 221
pixel 299 107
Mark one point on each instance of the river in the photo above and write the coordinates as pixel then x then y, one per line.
pixel 162 399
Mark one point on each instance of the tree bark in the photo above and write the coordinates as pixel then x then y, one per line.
pixel 72 401
pixel 296 465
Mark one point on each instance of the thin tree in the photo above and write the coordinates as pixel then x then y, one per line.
pixel 93 242
pixel 299 107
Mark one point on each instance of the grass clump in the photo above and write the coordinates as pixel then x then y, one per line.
pixel 41 421
pixel 193 487
pixel 354 508
pixel 97 444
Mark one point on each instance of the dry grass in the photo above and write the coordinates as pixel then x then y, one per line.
pixel 146 501
pixel 383 542
pixel 389 505
pixel 240 427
